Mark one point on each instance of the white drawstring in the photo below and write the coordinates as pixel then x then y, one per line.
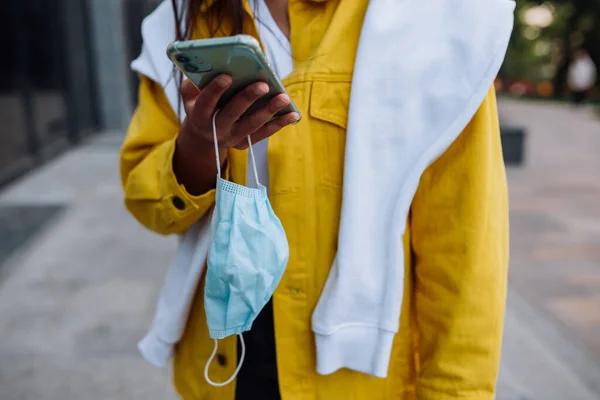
pixel 237 370
pixel 215 140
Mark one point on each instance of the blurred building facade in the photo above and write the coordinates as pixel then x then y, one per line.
pixel 64 75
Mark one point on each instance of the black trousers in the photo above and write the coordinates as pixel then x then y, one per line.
pixel 257 380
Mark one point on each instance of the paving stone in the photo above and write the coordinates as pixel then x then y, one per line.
pixel 18 223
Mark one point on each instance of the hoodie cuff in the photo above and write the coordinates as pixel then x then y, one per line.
pixel 155 351
pixel 360 348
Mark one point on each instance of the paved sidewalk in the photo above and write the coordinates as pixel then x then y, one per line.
pixel 75 299
pixel 555 217
pixel 555 223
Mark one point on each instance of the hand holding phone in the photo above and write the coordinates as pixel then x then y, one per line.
pixel 233 127
pixel 231 75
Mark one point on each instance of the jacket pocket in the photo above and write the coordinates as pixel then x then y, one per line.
pixel 329 112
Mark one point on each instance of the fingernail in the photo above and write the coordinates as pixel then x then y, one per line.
pixel 260 89
pixel 222 81
pixel 282 101
pixel 294 117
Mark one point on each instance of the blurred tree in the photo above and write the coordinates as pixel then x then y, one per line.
pixel 580 29
pixel 541 48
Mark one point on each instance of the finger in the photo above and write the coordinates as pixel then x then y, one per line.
pixel 269 129
pixel 234 109
pixel 206 102
pixel 188 90
pixel 189 94
pixel 256 121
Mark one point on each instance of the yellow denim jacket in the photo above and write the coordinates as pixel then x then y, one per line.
pixel 456 244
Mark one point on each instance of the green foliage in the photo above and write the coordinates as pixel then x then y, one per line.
pixel 542 53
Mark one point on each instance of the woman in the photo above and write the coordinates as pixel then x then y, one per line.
pixel 581 77
pixel 454 242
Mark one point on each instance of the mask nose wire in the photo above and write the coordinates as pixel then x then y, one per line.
pixel 237 370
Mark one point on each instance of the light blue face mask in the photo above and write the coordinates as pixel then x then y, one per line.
pixel 247 258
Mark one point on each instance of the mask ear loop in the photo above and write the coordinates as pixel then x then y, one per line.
pixel 215 140
pixel 237 370
pixel 253 162
pixel 214 128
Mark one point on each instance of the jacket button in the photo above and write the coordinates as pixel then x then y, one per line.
pixel 222 360
pixel 178 203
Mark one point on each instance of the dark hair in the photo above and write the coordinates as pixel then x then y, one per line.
pixel 186 15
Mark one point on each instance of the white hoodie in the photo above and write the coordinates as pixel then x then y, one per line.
pixel 422 70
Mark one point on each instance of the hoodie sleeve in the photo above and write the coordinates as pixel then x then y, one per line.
pixel 459 223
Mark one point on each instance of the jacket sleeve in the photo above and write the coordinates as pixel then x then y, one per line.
pixel 459 226
pixel 152 193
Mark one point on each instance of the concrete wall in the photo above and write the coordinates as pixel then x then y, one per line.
pixel 80 80
pixel 111 63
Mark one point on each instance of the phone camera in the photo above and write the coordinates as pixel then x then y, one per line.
pixel 182 59
pixel 190 68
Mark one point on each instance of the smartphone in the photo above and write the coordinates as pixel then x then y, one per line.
pixel 238 56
